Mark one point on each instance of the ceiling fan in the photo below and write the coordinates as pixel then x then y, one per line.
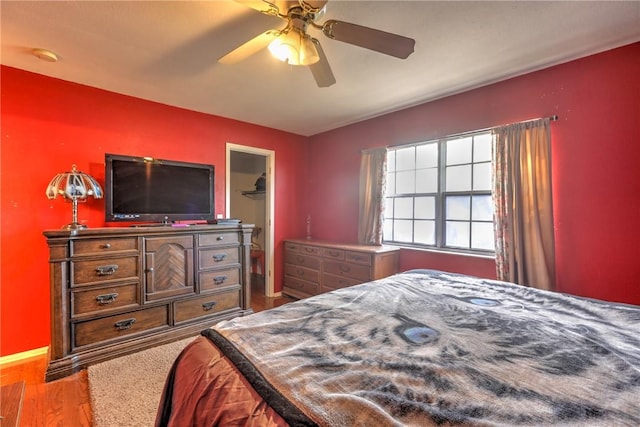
pixel 294 45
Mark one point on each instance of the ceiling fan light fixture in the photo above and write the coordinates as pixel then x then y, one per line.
pixel 285 47
pixel 308 52
pixel 294 48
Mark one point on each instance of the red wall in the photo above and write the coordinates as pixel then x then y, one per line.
pixel 596 177
pixel 48 124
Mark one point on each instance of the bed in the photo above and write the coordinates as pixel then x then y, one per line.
pixel 418 348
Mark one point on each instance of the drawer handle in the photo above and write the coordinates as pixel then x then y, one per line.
pixel 359 258
pixel 345 268
pixel 334 253
pixel 125 324
pixel 300 260
pixel 106 270
pixel 219 279
pixel 219 257
pixel 310 250
pixel 106 246
pixel 220 238
pixel 106 298
pixel 300 272
pixel 208 305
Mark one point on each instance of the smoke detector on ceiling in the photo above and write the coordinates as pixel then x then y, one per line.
pixel 45 55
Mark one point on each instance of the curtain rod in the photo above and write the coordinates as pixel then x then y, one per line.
pixel 552 118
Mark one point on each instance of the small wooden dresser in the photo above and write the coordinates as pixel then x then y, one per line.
pixel 115 291
pixel 314 267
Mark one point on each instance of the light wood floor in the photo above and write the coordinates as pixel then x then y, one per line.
pixel 65 402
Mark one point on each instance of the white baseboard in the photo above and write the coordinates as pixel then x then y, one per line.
pixel 37 352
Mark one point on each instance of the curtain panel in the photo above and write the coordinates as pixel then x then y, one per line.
pixel 523 210
pixel 373 174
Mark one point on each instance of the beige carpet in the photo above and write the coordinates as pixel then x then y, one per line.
pixel 125 392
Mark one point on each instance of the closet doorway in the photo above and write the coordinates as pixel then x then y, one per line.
pixel 248 199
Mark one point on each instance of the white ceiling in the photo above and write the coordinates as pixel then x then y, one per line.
pixel 166 51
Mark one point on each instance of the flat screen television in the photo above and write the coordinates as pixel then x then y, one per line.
pixel 144 189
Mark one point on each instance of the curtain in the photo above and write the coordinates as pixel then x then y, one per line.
pixel 373 171
pixel 523 211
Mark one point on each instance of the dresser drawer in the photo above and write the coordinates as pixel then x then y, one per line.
pixel 354 271
pixel 209 258
pixel 299 288
pixel 302 273
pixel 217 239
pixel 333 253
pixel 104 269
pixel 331 282
pixel 119 326
pixel 302 260
pixel 305 249
pixel 358 258
pixel 218 279
pixel 104 299
pixel 206 306
pixel 103 246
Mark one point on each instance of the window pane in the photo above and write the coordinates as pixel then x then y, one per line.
pixel 403 207
pixel 405 182
pixel 427 156
pixel 391 161
pixel 388 207
pixel 459 151
pixel 402 231
pixel 426 180
pixel 457 234
pixel 391 184
pixel 482 148
pixel 482 177
pixel 425 208
pixel 387 231
pixel 458 178
pixel 425 232
pixel 482 208
pixel 405 159
pixel 482 236
pixel 458 207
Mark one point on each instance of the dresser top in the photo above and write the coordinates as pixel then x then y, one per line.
pixel 144 229
pixel 346 246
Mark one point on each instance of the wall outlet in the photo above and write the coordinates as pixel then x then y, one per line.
pixel 219 216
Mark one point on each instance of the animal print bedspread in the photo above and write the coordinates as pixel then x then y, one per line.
pixel 431 348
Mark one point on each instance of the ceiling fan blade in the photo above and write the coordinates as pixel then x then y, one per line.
pixel 249 48
pixel 321 70
pixel 369 38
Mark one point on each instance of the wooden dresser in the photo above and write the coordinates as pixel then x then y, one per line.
pixel 115 291
pixel 314 267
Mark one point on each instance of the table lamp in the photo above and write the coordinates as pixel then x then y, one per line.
pixel 74 186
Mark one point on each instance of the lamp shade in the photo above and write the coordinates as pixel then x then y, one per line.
pixel 74 186
pixel 294 47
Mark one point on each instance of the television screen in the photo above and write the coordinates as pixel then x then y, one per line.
pixel 143 189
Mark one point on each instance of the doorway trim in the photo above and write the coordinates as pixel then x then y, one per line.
pixel 270 156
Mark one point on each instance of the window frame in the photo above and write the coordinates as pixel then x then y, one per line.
pixel 440 197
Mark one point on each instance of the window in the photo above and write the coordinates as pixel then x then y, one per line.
pixel 439 194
